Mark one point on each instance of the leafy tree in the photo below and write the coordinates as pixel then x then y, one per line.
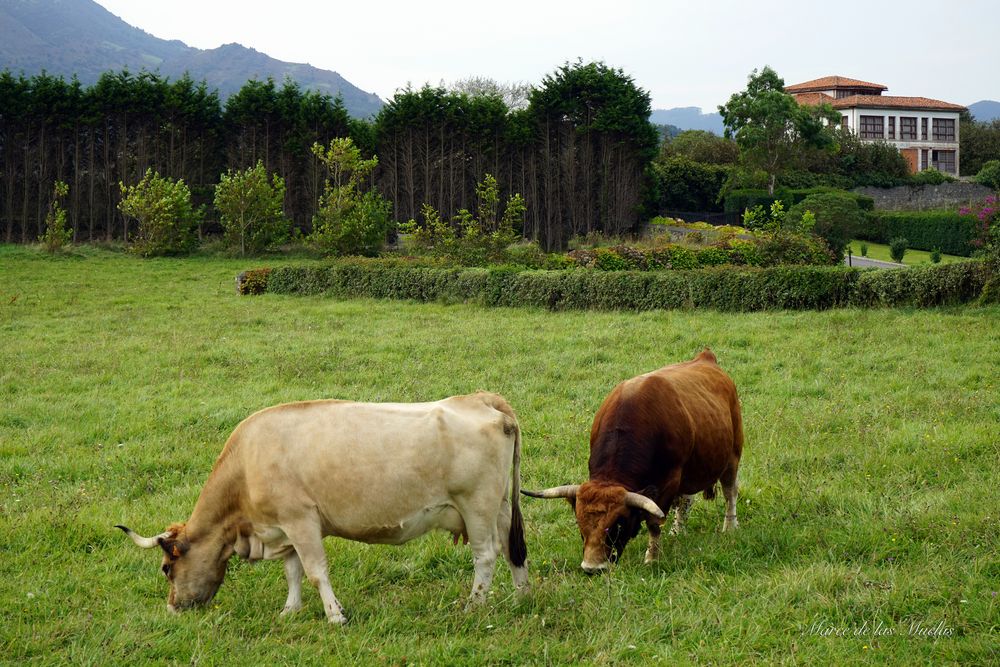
pixel 701 146
pixel 162 207
pixel 687 185
pixel 514 94
pixel 56 234
pixel 989 175
pixel 250 208
pixel 352 219
pixel 978 143
pixel 837 218
pixel 771 128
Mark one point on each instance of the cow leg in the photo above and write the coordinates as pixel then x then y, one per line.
pixel 309 545
pixel 293 573
pixel 653 548
pixel 681 510
pixel 484 542
pixel 731 491
pixel 667 495
pixel 518 573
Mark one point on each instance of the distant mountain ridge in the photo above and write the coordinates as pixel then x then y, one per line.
pixel 688 118
pixel 82 38
pixel 985 110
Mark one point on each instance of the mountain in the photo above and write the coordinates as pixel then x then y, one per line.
pixel 985 111
pixel 82 38
pixel 688 118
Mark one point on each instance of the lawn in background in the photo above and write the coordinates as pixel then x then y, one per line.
pixel 911 258
pixel 868 508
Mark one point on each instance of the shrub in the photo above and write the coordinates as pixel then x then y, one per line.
pixel 467 239
pixel 864 249
pixel 352 218
pixel 987 215
pixel 250 209
pixel 952 232
pixel 728 289
pixel 897 248
pixel 162 207
pixel 786 248
pixel 56 234
pixel 930 177
pixel 838 217
pixel 920 286
pixel 989 175
pixel 864 202
pixel 252 281
pixel 738 201
pixel 936 256
pixel 687 185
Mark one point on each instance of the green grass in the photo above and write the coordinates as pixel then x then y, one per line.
pixel 869 481
pixel 911 258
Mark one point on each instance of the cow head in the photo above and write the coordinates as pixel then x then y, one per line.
pixel 194 568
pixel 608 516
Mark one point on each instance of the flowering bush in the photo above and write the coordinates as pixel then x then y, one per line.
pixel 987 214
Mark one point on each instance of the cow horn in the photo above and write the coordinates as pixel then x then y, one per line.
pixel 144 542
pixel 567 491
pixel 640 501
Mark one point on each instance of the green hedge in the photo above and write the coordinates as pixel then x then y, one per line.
pixel 722 288
pixel 739 200
pixel 947 231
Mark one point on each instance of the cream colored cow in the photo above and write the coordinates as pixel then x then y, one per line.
pixel 381 473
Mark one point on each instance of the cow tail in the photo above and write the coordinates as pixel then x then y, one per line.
pixel 517 546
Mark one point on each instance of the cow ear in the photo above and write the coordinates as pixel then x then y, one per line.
pixel 167 544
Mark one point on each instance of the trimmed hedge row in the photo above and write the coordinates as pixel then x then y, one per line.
pixel 739 200
pixel 948 231
pixel 722 288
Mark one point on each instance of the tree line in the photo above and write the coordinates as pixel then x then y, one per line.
pixel 578 150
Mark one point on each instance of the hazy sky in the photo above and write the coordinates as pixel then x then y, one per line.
pixel 685 53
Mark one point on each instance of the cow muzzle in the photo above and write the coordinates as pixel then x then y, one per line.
pixel 592 568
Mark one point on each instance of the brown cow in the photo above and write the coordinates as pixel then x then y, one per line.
pixel 657 439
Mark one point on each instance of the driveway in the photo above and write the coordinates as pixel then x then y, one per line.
pixel 860 262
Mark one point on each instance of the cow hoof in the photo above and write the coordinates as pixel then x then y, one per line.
pixel 288 611
pixel 649 559
pixel 339 619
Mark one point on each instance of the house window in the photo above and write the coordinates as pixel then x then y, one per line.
pixel 923 129
pixel 923 158
pixel 871 127
pixel 943 161
pixel 944 129
pixel 908 128
pixel 843 122
pixel 892 127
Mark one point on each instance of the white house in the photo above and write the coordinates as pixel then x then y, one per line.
pixel 924 130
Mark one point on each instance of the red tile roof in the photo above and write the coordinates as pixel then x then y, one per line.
pixel 813 99
pixel 832 83
pixel 893 102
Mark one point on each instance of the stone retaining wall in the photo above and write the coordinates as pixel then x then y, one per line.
pixel 926 197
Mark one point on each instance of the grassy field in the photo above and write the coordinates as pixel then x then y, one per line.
pixel 911 258
pixel 869 508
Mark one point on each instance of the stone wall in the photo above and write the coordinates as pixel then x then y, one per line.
pixel 926 197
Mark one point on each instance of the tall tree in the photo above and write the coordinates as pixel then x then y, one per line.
pixel 595 143
pixel 770 127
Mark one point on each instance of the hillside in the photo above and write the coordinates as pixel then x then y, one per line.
pixel 80 37
pixel 985 110
pixel 688 118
